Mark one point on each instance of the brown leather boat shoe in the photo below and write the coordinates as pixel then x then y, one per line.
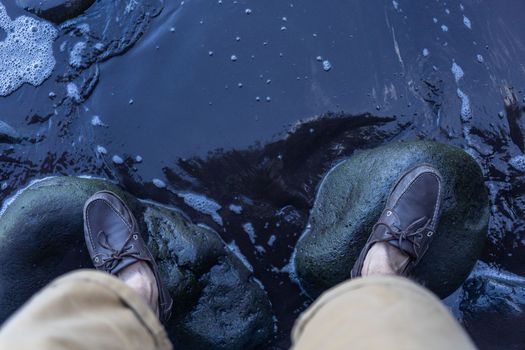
pixel 114 241
pixel 410 217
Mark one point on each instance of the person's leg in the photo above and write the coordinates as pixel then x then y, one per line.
pixel 119 309
pixel 379 312
pixel 86 310
pixel 383 310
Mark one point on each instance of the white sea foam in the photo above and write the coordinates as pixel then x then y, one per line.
pixel 26 54
pixel 235 250
pixel 237 209
pixel 250 231
pixel 75 56
pixel 466 111
pixel 518 163
pixel 457 71
pixel 11 199
pixel 467 22
pixel 202 204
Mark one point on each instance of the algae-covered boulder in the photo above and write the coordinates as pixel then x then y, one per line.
pixel 55 10
pixel 352 196
pixel 217 303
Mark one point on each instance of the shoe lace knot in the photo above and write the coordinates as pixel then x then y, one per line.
pixel 412 234
pixel 109 262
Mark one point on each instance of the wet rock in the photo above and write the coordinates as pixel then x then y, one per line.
pixel 493 292
pixel 8 134
pixel 218 303
pixel 56 11
pixel 492 304
pixel 352 196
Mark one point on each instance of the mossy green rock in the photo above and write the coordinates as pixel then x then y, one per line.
pixel 217 302
pixel 352 196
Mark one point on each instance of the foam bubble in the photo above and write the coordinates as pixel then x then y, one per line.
pixel 159 183
pixel 327 65
pixel 101 150
pixel 96 121
pixel 396 4
pixel 72 92
pixel 26 54
pixel 117 159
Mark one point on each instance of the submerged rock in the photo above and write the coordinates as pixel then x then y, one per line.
pixel 494 292
pixel 352 196
pixel 492 303
pixel 217 302
pixel 56 11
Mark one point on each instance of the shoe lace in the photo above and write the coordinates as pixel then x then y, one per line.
pixel 109 262
pixel 410 234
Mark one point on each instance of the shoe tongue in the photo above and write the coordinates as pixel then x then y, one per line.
pixel 405 246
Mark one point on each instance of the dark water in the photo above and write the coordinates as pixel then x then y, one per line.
pixel 229 100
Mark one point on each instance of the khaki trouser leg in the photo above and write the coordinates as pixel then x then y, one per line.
pixel 378 313
pixel 84 310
